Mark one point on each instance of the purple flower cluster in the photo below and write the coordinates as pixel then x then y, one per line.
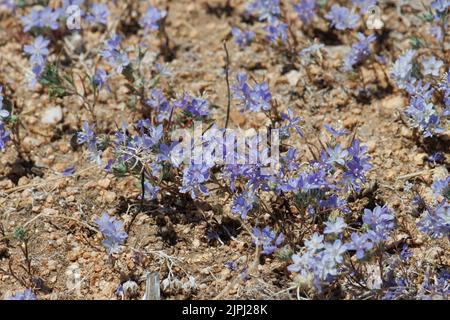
pixel 360 243
pixel 356 167
pixel 160 104
pixel 254 98
pixel 112 231
pixel 335 226
pixel 293 123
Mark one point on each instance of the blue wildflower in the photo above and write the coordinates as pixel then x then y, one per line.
pixel 436 221
pixel 276 31
pixel 38 51
pixel 113 231
pixel 254 99
pixel 242 38
pixel 99 13
pixel 360 244
pixel 360 51
pixel 306 10
pixel 243 203
pixel 268 239
pixel 4 136
pixel 194 177
pixel 24 295
pixel 335 226
pixel 152 18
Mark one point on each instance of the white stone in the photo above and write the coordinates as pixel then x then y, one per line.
pixel 52 115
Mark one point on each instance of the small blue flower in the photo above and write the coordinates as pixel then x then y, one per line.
pixel 363 5
pixel 440 5
pixel 43 18
pixel 342 18
pixel 254 99
pixel 38 51
pixel 68 171
pixel 380 220
pixel 151 191
pixel 402 69
pixel 336 155
pixel 152 18
pixel 87 136
pixel 360 243
pixel 315 243
pixel 243 203
pixel 99 13
pixel 113 231
pixel 276 32
pixel 265 9
pixel 436 221
pixel 49 18
pixel 337 226
pixel 100 78
pixel 293 123
pixel 4 136
pixel 3 112
pixel 194 177
pixel 335 250
pixel 242 38
pixel 432 66
pixel 360 51
pixel 268 239
pixel 335 132
pixel 114 56
pixel 24 295
pixel 306 10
